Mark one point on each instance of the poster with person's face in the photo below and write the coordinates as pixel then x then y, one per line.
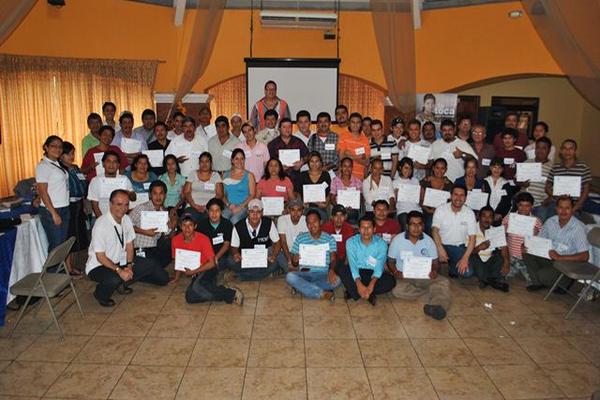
pixel 436 107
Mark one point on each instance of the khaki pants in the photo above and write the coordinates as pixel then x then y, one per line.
pixel 438 290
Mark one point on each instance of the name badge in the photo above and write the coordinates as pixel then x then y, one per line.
pixel 209 186
pixel 509 161
pixel 359 151
pixel 329 146
pixel 337 237
pixel 325 185
pixel 227 153
pixel 502 192
pixel 140 253
pixel 123 258
pixel 386 237
pixel 372 261
pixel 218 239
pixel 280 189
pixel 80 176
pixel 560 247
pixel 486 161
pixel 147 185
pixel 260 246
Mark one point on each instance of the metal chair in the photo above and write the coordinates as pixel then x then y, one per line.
pixel 47 285
pixel 582 271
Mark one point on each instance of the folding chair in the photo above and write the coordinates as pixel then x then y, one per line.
pixel 582 271
pixel 47 285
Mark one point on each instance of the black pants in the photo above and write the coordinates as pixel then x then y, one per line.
pixel 204 288
pixel 161 253
pixel 145 270
pixel 383 285
pixel 489 270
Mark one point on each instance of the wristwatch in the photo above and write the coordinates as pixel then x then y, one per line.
pixel 117 269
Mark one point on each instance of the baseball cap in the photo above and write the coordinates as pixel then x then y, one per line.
pixel 255 203
pixel 338 209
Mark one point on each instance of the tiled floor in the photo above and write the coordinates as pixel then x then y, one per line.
pixel 278 346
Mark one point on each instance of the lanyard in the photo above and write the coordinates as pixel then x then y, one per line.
pixel 59 167
pixel 121 237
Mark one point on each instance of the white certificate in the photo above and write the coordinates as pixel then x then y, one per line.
pixel 416 267
pixel 496 236
pixel 289 156
pixel 156 157
pixel 155 219
pixel 99 167
pixel 409 193
pixel 521 224
pixel 538 246
pixel 349 198
pixel 186 259
pixel 313 193
pixel 272 205
pixel 111 184
pixel 314 255
pixel 254 258
pixel 139 199
pixel 130 146
pixel 529 172
pixel 530 154
pixel 476 200
pixel 419 153
pixel 569 185
pixel 359 151
pixel 435 197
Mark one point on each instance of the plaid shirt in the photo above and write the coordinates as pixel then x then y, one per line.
pixel 331 158
pixel 144 241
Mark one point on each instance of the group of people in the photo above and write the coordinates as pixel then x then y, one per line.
pixel 348 204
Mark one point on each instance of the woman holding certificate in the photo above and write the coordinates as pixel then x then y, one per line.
pixel 275 183
pixel 345 181
pixel 437 180
pixel 240 188
pixel 313 195
pixel 201 186
pixel 501 191
pixel 407 190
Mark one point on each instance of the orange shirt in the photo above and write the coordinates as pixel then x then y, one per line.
pixel 348 141
pixel 340 130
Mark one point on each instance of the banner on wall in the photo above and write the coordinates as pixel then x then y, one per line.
pixel 436 107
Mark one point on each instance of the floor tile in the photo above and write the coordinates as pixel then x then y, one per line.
pixel 29 378
pixel 224 327
pixel 282 327
pixel 497 351
pixel 401 384
pixel 52 349
pixel 135 325
pixel 173 352
pixel 525 325
pixel 138 382
pixel 177 326
pixel 424 327
pixel 328 327
pixel 572 326
pixel 333 353
pixel 388 353
pixel 276 353
pixel 176 305
pixel 4 364
pixel 378 327
pixel 588 346
pixel 477 326
pixel 463 383
pixel 548 350
pixel 222 308
pixel 249 288
pixel 211 384
pixel 574 379
pixel 275 383
pixel 274 287
pixel 142 303
pixel 466 305
pixel 498 302
pixel 338 383
pixel 220 353
pixel 72 323
pixel 325 308
pixel 10 348
pixel 443 352
pixel 89 381
pixel 522 382
pixel 365 309
pixel 109 350
pixel 279 306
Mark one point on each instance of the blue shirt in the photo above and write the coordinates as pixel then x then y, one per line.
pixel 361 256
pixel 402 247
pixel 238 192
pixel 570 239
pixel 141 187
pixel 173 191
pixel 307 239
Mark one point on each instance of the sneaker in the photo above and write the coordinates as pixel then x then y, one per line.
pixel 228 276
pixel 435 312
pixel 239 296
pixel 105 303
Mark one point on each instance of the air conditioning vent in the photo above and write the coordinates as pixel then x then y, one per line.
pixel 293 19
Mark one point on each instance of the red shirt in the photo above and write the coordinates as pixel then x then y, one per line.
pixel 200 243
pixel 518 156
pixel 347 232
pixel 391 226
pixel 88 160
pixel 522 141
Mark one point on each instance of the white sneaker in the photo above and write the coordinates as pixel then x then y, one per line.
pixel 239 296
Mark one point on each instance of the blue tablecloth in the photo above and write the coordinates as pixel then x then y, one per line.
pixel 7 247
pixel 15 212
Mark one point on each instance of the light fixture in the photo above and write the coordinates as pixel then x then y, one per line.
pixel 515 13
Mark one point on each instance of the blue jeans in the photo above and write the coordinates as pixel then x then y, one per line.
pixel 311 284
pixel 56 234
pixel 234 217
pixel 254 274
pixel 455 253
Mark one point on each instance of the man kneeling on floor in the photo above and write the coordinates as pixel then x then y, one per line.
pixel 191 247
pixel 313 254
pixel 415 243
pixel 111 261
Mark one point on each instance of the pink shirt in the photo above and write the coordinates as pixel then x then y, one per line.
pixel 275 188
pixel 514 241
pixel 337 184
pixel 256 158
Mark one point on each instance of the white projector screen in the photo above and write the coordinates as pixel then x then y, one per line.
pixel 305 84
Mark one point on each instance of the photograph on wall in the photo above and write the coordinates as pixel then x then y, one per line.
pixel 525 107
pixel 435 107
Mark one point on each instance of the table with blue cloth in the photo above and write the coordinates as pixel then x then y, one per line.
pixel 7 247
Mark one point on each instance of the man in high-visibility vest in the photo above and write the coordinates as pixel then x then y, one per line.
pixel 269 102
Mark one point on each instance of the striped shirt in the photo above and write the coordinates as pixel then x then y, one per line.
pixel 570 239
pixel 327 148
pixel 579 169
pixel 538 189
pixel 514 241
pixel 305 238
pixel 385 151
pixel 136 218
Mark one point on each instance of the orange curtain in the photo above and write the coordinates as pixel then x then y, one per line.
pixel 361 96
pixel 229 97
pixel 41 96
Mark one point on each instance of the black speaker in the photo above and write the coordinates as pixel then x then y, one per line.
pixel 57 3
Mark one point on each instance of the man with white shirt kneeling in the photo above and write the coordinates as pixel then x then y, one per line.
pixel 111 259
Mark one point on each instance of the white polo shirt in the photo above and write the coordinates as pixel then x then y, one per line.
pixel 192 149
pixel 456 166
pixel 101 187
pixel 371 191
pixel 57 178
pixel 110 237
pixel 455 227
